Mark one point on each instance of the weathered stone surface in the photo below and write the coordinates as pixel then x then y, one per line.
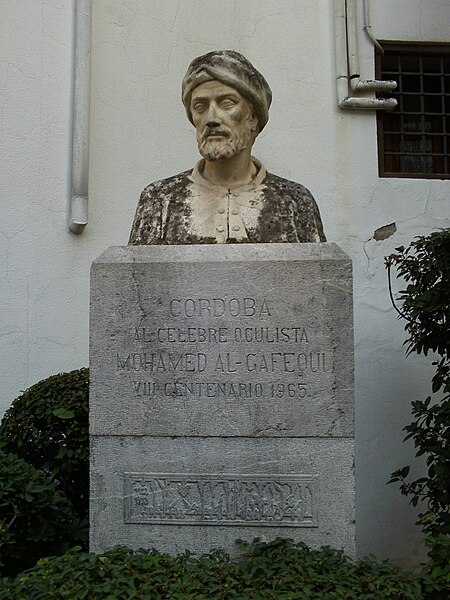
pixel 229 196
pixel 221 395
pixel 294 377
pixel 234 70
pixel 325 464
pixel 187 209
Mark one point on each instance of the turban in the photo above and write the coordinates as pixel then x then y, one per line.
pixel 233 69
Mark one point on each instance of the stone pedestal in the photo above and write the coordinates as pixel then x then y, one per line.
pixel 221 396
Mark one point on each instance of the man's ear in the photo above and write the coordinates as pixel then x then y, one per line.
pixel 254 122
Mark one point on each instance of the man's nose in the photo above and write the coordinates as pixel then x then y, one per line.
pixel 213 119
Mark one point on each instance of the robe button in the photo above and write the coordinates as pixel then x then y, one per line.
pixel 235 211
pixel 236 228
pixel 221 211
pixel 220 229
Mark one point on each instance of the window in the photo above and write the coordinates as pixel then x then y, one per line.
pixel 414 139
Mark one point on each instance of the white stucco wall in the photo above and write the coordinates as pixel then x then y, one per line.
pixel 139 133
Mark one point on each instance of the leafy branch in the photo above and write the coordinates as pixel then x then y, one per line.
pixel 425 266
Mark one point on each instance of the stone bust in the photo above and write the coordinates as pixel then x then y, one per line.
pixel 229 196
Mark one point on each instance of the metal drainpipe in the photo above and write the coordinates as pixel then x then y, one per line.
pixel 79 197
pixel 368 27
pixel 347 64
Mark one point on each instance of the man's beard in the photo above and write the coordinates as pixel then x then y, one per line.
pixel 225 147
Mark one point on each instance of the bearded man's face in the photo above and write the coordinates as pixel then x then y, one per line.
pixel 224 120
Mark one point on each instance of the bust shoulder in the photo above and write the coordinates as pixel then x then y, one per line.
pixel 285 187
pixel 169 186
pixel 291 202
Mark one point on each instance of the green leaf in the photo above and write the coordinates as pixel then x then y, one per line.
pixel 63 413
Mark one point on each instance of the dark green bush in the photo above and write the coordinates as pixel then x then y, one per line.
pixel 35 517
pixel 436 573
pixel 425 266
pixel 280 570
pixel 47 426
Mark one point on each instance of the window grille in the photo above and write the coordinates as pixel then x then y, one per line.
pixel 414 139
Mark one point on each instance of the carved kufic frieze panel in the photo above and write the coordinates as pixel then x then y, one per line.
pixel 202 499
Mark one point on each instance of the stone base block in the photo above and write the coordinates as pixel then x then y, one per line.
pixel 221 396
pixel 204 493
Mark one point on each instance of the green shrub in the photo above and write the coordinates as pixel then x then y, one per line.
pixel 35 517
pixel 436 573
pixel 47 426
pixel 425 266
pixel 280 570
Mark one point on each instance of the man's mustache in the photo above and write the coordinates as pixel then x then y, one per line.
pixel 211 131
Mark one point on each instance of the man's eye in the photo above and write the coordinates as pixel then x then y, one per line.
pixel 227 104
pixel 200 107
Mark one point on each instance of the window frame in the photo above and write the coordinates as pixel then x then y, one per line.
pixel 411 48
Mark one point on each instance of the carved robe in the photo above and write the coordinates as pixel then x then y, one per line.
pixel 188 209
